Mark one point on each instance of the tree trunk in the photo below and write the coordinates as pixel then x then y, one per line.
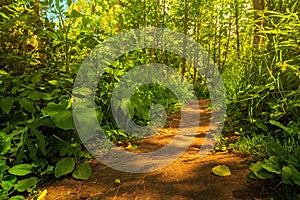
pixel 237 28
pixel 39 42
pixel 259 7
pixel 185 31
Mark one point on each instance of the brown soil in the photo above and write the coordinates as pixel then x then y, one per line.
pixel 189 177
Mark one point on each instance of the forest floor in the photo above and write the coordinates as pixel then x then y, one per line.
pixel 189 177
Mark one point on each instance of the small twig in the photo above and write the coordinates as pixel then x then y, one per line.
pixel 116 193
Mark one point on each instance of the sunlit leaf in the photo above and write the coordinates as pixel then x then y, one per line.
pixel 221 170
pixel 4 15
pixel 82 91
pixel 53 82
pixel 2 72
pixel 21 169
pixel 42 195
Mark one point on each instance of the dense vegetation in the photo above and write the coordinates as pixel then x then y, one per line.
pixel 255 44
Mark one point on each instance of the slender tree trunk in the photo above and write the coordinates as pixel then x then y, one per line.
pixel 237 32
pixel 227 46
pixel 39 42
pixel 196 56
pixel 258 6
pixel 155 25
pixel 185 31
pixel 145 14
pixel 162 52
pixel 219 45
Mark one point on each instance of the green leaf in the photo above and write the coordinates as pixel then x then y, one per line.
pixel 3 168
pixel 6 104
pixel 20 170
pixel 41 142
pixel 297 153
pixel 64 166
pixel 290 175
pixel 272 165
pixel 296 176
pixel 2 162
pixel 256 167
pixel 75 14
pixel 4 15
pixel 3 194
pixel 53 82
pixel 36 95
pixel 276 149
pixel 8 182
pixel 85 115
pixel 17 197
pixel 2 72
pixel 5 143
pixel 64 120
pixel 259 172
pixel 25 184
pixel 52 108
pixel 49 170
pixel 26 104
pixel 32 149
pixel 42 195
pixel 59 114
pixel 82 171
pixel 221 170
pixel 82 91
pixel 278 124
pixel 36 78
pixel 262 126
pixel 287 174
pixel 51 34
pixel 117 181
pixel 69 2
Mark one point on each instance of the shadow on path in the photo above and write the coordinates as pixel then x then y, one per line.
pixel 188 178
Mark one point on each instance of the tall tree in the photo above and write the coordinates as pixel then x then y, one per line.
pixel 259 7
pixel 185 31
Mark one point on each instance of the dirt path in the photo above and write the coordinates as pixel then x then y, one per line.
pixel 187 178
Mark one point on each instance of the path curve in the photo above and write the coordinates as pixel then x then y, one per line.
pixel 188 178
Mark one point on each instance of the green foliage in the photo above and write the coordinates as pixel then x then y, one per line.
pixel 40 55
pixel 60 114
pixel 26 184
pixel 282 166
pixel 263 96
pixel 221 143
pixel 20 170
pixel 64 166
pixel 36 123
pixel 67 165
pixel 82 172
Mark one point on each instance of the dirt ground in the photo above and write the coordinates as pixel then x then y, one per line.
pixel 189 177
